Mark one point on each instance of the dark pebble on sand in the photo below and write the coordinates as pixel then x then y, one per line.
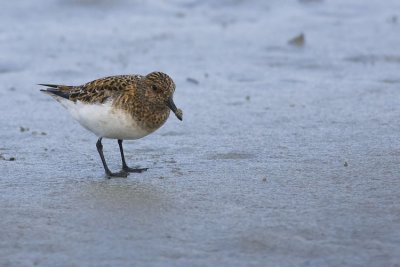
pixel 9 159
pixel 192 80
pixel 298 40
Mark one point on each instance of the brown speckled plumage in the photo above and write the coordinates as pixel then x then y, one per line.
pixel 144 97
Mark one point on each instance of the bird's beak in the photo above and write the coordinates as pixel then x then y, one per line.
pixel 177 111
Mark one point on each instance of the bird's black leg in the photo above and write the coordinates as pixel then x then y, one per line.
pixel 109 174
pixel 124 166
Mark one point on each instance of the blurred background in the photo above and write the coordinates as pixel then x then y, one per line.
pixel 288 154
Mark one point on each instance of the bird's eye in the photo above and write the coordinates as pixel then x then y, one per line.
pixel 154 87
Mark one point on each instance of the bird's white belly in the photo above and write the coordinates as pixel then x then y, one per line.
pixel 105 121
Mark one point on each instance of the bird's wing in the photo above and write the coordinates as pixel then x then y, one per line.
pixel 97 91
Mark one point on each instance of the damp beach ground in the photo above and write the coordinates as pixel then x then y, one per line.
pixel 288 154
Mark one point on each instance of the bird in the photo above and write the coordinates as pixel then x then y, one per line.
pixel 122 107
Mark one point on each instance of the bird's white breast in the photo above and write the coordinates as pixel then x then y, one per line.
pixel 104 120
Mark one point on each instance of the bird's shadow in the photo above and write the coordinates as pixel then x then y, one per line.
pixel 123 196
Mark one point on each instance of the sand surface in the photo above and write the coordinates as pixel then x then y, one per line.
pixel 288 154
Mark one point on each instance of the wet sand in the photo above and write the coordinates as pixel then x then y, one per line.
pixel 288 154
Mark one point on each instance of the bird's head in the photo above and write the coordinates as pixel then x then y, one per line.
pixel 159 90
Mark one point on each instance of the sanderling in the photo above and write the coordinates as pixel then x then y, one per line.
pixel 124 107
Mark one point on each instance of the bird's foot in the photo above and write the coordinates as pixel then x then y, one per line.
pixel 121 174
pixel 136 170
